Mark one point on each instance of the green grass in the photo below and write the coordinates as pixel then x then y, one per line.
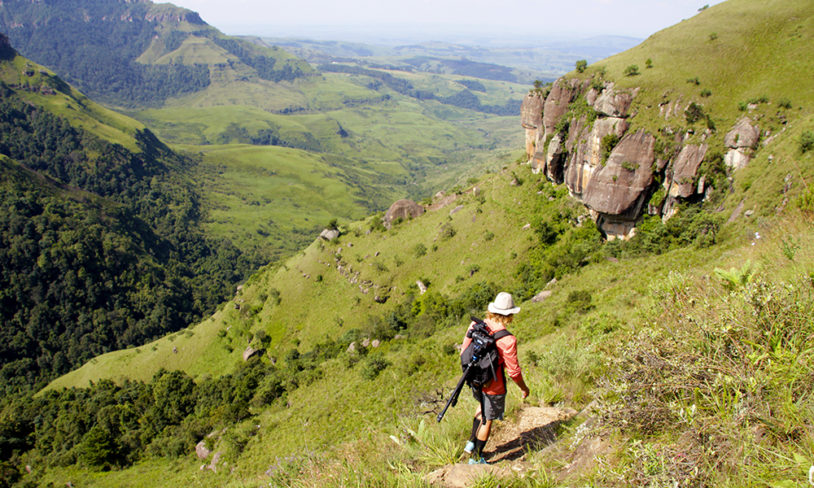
pixel 29 77
pixel 761 49
pixel 276 199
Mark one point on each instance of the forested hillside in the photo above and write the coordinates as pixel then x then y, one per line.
pixel 99 45
pixel 101 246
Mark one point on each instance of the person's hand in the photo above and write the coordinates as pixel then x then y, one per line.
pixel 525 392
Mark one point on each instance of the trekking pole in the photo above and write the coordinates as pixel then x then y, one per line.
pixel 454 398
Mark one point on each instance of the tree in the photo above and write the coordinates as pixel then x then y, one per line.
pixel 632 70
pixel 581 65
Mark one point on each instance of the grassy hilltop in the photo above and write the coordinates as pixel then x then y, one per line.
pixel 688 359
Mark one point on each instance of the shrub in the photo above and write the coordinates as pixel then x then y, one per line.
pixel 419 250
pixel 581 65
pixel 632 70
pixel 630 166
pixel 607 144
pixel 784 103
pixel 694 81
pixel 706 92
pixel 579 301
pixel 648 64
pixel 447 232
pixel 374 364
pixel 694 113
pixel 806 141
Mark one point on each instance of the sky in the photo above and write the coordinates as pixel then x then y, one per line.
pixel 441 19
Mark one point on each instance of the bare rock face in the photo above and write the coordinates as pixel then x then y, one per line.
pixel 531 117
pixel 685 170
pixel 555 159
pixel 531 111
pixel 741 140
pixel 402 209
pixel 586 150
pixel 613 103
pixel 618 188
pixel 556 104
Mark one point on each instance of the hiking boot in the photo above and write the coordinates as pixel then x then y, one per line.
pixel 478 461
pixel 470 447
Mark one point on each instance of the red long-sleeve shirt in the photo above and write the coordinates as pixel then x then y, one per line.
pixel 507 351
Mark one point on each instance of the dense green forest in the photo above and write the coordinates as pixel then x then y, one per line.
pixel 100 247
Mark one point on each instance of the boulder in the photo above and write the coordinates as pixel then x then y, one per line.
pixel 741 140
pixel 542 296
pixel 736 158
pixel 250 351
pixel 402 209
pixel 329 234
pixel 215 460
pixel 743 135
pixel 619 187
pixel 201 450
pixel 681 183
pixel 612 102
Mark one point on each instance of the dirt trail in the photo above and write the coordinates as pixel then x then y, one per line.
pixel 533 429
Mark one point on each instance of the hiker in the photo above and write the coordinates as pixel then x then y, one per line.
pixel 493 395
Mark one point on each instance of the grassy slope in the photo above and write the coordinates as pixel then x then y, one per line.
pixel 573 353
pixel 394 148
pixel 72 105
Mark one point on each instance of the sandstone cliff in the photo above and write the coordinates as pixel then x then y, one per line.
pixel 578 134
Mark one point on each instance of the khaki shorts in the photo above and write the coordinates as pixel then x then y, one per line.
pixel 493 405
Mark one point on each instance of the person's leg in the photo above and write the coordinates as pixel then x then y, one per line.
pixel 493 405
pixel 473 434
pixel 484 431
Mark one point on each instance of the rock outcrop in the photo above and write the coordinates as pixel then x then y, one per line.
pixel 531 117
pixel 741 141
pixel 582 140
pixel 402 209
pixel 329 234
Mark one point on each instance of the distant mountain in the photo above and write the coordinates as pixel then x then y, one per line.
pixel 519 60
pixel 100 237
pixel 136 52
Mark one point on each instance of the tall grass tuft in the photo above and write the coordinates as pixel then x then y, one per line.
pixel 719 385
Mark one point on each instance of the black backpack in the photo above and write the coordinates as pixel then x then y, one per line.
pixel 481 356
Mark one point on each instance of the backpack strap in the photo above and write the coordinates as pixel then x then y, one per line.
pixel 501 334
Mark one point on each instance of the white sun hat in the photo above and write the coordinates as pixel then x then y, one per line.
pixel 503 304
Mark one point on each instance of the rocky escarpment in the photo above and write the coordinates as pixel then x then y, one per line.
pixel 6 51
pixel 578 134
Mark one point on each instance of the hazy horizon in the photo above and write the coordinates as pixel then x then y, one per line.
pixel 472 22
